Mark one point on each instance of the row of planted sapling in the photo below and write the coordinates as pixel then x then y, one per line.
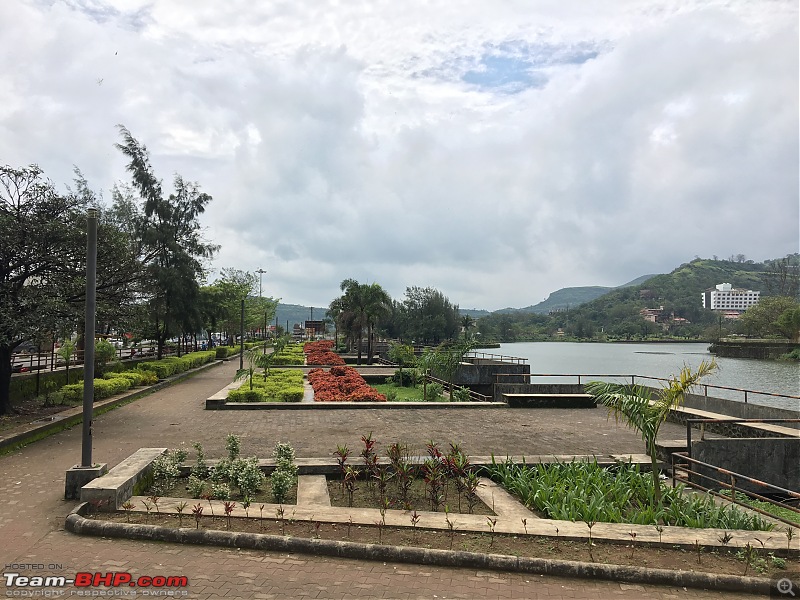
pixel 437 481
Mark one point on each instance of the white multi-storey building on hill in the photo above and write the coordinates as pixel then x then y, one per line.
pixel 725 297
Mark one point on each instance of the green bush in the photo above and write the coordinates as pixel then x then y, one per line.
pixel 172 365
pixel 405 378
pixel 434 392
pixel 247 395
pixel 135 377
pixel 72 392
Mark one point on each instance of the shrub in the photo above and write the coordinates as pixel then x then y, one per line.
pixel 246 475
pixel 460 395
pixel 240 395
pixel 282 482
pixel 434 392
pixel 195 486
pixel 135 377
pixel 406 378
pixel 221 491
pixel 72 392
pixel 165 471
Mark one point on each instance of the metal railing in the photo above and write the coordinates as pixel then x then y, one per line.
pixel 683 463
pixel 495 357
pixel 473 395
pixel 633 378
pixel 702 421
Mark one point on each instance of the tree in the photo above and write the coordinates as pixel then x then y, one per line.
pixel 426 316
pixel 39 250
pixel 360 307
pixel 789 323
pixel 174 249
pixel 639 409
pixel 378 305
pixel 762 319
pixel 467 323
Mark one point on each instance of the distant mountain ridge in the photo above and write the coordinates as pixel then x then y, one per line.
pixel 571 297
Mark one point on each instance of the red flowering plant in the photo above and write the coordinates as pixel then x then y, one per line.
pixel 342 384
pixel 320 353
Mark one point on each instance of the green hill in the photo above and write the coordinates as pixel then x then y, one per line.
pixel 572 297
pixel 616 312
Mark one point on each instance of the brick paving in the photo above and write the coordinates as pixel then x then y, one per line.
pixel 32 484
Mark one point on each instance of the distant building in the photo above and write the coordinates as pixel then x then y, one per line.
pixel 725 297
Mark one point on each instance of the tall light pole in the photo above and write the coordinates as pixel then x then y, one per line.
pixel 261 272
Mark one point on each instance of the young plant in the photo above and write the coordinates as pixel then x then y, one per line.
pixel 148 507
pixel 369 454
pixel 725 538
pixel 154 499
pixel 789 531
pixel 525 525
pixel 698 548
pixel 414 520
pixel 558 541
pixel 180 508
pixel 350 478
pixel 349 525
pixel 208 497
pixel 229 506
pixel 128 507
pixel 246 506
pixel 450 524
pixel 660 531
pixel 261 518
pixel 279 513
pixel 200 468
pixel 197 512
pixel 590 524
pixel 491 523
pixel 233 445
pixel 633 542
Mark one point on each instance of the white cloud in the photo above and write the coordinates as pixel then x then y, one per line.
pixel 494 151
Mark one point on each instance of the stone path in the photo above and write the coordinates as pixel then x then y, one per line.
pixel 32 484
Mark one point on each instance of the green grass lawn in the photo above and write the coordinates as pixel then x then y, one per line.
pixel 404 394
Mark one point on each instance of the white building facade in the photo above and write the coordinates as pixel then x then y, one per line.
pixel 725 297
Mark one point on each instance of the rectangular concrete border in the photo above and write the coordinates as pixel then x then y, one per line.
pixel 120 483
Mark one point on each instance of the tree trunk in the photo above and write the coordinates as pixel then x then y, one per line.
pixel 656 474
pixel 5 379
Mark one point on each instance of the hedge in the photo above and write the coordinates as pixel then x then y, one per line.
pixel 103 388
pixel 282 385
pixel 172 365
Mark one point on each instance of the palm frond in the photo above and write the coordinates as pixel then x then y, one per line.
pixel 674 393
pixel 628 403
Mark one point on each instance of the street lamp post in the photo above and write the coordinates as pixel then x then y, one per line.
pixel 261 272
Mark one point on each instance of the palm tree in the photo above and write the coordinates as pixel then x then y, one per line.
pixel 354 301
pixel 377 305
pixel 637 407
pixel 467 322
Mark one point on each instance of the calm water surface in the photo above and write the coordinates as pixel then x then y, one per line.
pixel 660 360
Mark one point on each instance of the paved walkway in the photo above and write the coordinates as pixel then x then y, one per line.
pixel 32 484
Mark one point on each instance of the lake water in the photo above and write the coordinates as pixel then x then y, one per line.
pixel 660 360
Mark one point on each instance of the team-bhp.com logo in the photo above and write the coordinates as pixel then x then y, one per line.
pixel 97 580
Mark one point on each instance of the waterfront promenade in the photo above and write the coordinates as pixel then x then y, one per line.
pixel 32 484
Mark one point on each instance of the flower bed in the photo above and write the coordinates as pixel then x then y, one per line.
pixel 320 353
pixel 342 384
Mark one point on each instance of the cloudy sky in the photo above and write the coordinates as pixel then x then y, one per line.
pixel 497 151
